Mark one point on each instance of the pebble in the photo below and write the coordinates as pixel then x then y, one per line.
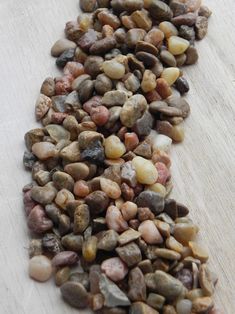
pixel 62 275
pixel 151 199
pixel 43 195
pixel 130 254
pixel 114 269
pixel 78 170
pixel 40 268
pixel 63 180
pixel 201 27
pixel 137 286
pixel 168 58
pixel 35 247
pixel 72 242
pixel 149 81
pixel 150 233
pixel 178 8
pixel 184 306
pixel 188 19
pixel 185 232
pixel 167 286
pixel 202 305
pixel 75 294
pixel 182 85
pixel 144 149
pixel 204 11
pixel 131 141
pixel 114 148
pixel 113 296
pixel 42 106
pixel 103 46
pixel 133 36
pixel 132 83
pixel 180 103
pixel 114 69
pixel 167 254
pixel 97 201
pixel 64 259
pixel 93 66
pixel 81 219
pixel 111 188
pixel 156 301
pixel 141 308
pixel 65 57
pixel 51 243
pixel 144 125
pixel 205 280
pixel 187 32
pixel 87 5
pixel 158 188
pixel 128 236
pixel 160 11
pixel 170 74
pixel 82 278
pixel 141 19
pixel 48 87
pixel 191 55
pixel 108 240
pixel 62 45
pixel 44 150
pixel 177 45
pixel 154 37
pixel 163 88
pixel 198 251
pixel 89 249
pixel 146 173
pixel 63 197
pixel 129 210
pixel 114 98
pixel 103 84
pixel 114 219
pixel 162 142
pixel 168 29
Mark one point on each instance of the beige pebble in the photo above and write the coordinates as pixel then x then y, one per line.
pixel 111 188
pixel 177 45
pixel 40 268
pixel 170 75
pixel 158 188
pixel 146 173
pixel 44 150
pixel 168 29
pixel 114 148
pixel 129 210
pixel 198 251
pixel 177 133
pixel 114 69
pixel 62 45
pixel 149 81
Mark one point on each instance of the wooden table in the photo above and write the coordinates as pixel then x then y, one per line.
pixel 203 166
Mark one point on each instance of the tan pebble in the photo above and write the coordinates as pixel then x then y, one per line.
pixel 44 150
pixel 155 37
pixel 198 252
pixel 142 19
pixel 128 210
pixel 63 197
pixel 177 133
pixel 114 268
pixel 202 305
pixel 114 69
pixel 158 188
pixel 168 29
pixel 185 232
pixel 146 173
pixel 163 227
pixel 111 188
pixel 149 81
pixel 128 22
pixel 170 75
pixel 173 244
pixel 114 148
pixel 149 232
pixel 115 220
pixel 40 268
pixel 62 275
pixel 177 45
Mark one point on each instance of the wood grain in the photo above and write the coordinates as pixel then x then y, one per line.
pixel 203 166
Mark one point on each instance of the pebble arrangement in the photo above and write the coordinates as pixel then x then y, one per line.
pixel 98 207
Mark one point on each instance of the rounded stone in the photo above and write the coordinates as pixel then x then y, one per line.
pixel 40 268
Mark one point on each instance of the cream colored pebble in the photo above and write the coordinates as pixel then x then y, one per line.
pixel 149 81
pixel 146 172
pixel 177 133
pixel 168 29
pixel 170 75
pixel 111 188
pixel 114 69
pixel 40 268
pixel 158 188
pixel 114 148
pixel 177 45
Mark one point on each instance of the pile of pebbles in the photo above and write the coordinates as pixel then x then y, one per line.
pixel 98 207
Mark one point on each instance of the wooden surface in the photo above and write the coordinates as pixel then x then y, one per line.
pixel 203 166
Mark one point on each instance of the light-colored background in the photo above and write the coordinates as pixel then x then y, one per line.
pixel 203 166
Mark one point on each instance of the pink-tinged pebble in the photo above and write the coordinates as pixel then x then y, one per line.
pixel 40 268
pixel 131 141
pixel 92 103
pixel 114 268
pixel 58 117
pixel 74 68
pixel 99 115
pixel 114 219
pixel 64 258
pixel 29 203
pixel 161 156
pixel 63 84
pixel 81 188
pixel 216 310
pixel 38 221
pixel 163 173
pixel 150 233
pixel 129 210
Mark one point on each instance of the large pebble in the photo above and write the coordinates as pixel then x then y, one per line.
pixel 150 199
pixel 75 294
pixel 114 269
pixel 112 294
pixel 150 233
pixel 146 173
pixel 40 268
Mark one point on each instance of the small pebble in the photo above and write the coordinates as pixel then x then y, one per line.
pixel 150 233
pixel 114 269
pixel 40 268
pixel 114 69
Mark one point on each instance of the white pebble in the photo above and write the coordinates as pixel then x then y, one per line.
pixel 40 268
